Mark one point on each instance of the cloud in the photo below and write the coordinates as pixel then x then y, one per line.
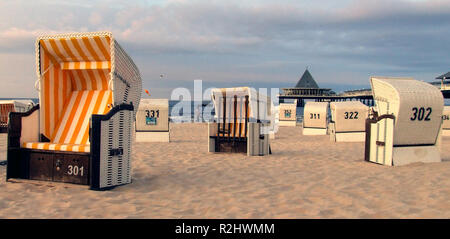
pixel 250 41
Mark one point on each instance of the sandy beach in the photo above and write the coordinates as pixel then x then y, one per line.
pixel 305 177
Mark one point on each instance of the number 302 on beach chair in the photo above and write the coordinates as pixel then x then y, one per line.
pixel 406 125
pixel 243 121
pixel 81 131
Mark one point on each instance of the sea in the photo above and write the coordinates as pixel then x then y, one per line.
pixel 188 111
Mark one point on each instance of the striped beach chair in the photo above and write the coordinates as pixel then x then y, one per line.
pixel 242 122
pixel 81 131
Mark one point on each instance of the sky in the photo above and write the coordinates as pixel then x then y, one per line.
pixel 239 43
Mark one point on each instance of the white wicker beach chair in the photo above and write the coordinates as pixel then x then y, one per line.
pixel 242 121
pixel 446 121
pixel 315 118
pixel 89 91
pixel 152 121
pixel 288 114
pixel 406 125
pixel 348 121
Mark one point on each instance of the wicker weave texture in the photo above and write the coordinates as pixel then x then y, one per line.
pixel 288 112
pixel 153 115
pixel 349 116
pixel 116 134
pixel 417 107
pixel 315 115
pixel 127 81
pixel 446 118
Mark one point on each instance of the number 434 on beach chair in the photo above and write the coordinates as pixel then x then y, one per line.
pixel 81 131
pixel 406 124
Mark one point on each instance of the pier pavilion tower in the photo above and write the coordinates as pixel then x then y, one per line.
pixel 306 87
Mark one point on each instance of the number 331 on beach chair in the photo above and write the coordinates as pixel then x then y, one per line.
pixel 406 126
pixel 81 131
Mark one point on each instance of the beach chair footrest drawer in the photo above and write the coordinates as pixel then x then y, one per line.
pixel 67 168
pixel 232 147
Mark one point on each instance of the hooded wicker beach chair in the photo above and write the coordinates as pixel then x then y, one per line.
pixel 152 121
pixel 348 121
pixel 406 124
pixel 242 121
pixel 446 121
pixel 288 114
pixel 315 118
pixel 81 130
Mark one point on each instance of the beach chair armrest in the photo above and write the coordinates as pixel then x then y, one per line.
pixel 385 116
pixel 23 124
pixel 110 141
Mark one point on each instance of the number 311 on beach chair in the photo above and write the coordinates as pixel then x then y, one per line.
pixel 243 121
pixel 406 125
pixel 81 131
pixel 315 118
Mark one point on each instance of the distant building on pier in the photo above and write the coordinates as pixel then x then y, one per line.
pixel 308 89
pixel 443 84
pixel 307 86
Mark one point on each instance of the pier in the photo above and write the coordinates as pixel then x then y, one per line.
pixel 307 88
pixel 443 84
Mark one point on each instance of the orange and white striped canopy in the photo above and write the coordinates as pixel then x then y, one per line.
pixel 74 73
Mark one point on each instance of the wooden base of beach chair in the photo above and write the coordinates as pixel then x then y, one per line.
pixel 348 136
pixel 314 131
pixel 407 155
pixel 290 123
pixel 54 166
pixel 153 137
pixel 256 143
pixel 413 154
pixel 219 145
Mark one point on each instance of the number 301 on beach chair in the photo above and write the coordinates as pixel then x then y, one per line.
pixel 406 125
pixel 81 131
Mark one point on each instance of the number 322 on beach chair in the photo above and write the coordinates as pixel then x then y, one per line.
pixel 406 126
pixel 81 131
